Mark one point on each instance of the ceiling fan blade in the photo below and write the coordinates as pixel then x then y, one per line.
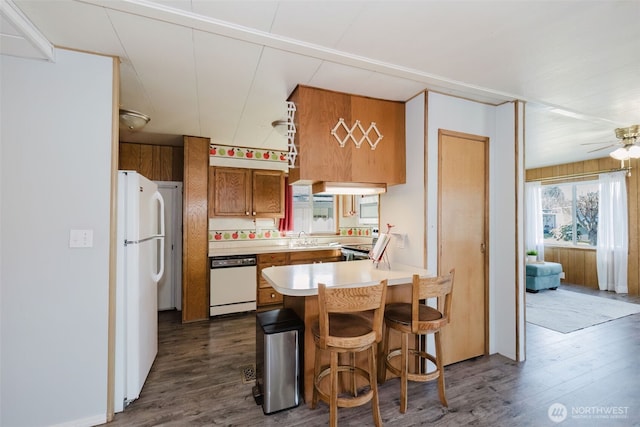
pixel 601 142
pixel 602 148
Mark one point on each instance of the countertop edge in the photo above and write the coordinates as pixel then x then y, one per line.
pixel 405 273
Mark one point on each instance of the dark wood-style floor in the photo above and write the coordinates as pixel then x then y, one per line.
pixel 196 381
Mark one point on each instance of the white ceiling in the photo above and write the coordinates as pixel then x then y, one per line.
pixel 223 69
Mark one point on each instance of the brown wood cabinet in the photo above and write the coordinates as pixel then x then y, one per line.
pixel 348 203
pixel 268 296
pixel 320 157
pixel 238 192
pixel 156 162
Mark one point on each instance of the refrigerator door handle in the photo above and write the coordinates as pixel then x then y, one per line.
pixel 157 276
pixel 158 197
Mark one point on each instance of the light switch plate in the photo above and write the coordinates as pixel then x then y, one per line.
pixel 81 239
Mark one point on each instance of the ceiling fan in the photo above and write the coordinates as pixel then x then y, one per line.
pixel 628 147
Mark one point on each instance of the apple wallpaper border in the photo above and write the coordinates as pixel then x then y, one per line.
pixel 265 234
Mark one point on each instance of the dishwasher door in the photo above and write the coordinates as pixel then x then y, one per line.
pixel 233 289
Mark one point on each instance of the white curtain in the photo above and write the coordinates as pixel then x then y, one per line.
pixel 612 233
pixel 533 232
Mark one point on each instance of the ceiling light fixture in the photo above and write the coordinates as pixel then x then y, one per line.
pixel 340 188
pixel 629 149
pixel 133 120
pixel 281 126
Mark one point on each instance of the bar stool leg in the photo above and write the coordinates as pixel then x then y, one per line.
pixel 440 367
pixel 404 370
pixel 333 405
pixel 316 371
pixel 354 383
pixel 373 381
pixel 382 360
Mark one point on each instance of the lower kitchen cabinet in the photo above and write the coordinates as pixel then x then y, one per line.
pixel 266 295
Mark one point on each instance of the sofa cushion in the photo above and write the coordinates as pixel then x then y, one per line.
pixel 544 269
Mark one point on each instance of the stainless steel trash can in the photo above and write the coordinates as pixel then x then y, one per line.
pixel 279 338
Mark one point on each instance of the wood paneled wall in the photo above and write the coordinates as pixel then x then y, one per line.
pixel 156 162
pixel 579 265
pixel 195 250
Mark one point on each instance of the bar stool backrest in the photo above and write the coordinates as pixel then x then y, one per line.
pixel 351 300
pixel 440 287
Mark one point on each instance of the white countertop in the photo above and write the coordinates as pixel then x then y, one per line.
pixel 302 280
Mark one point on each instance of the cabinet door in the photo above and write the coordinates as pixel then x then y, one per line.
pixel 268 194
pixel 320 157
pixel 385 164
pixel 231 192
pixel 129 158
pixel 348 202
pixel 265 293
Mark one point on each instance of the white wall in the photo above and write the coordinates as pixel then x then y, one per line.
pixel 55 155
pixel 497 123
pixel 403 205
pixel 502 223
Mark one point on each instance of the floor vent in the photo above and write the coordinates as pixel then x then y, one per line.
pixel 248 374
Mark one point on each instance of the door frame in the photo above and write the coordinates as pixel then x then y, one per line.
pixel 176 268
pixel 486 141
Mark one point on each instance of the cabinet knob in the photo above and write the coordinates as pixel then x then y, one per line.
pixel 246 212
pixel 254 214
pixel 273 295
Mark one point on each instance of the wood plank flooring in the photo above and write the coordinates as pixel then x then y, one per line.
pixel 196 381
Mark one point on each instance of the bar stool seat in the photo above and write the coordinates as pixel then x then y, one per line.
pixel 418 319
pixel 349 322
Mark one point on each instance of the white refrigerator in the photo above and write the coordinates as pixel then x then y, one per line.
pixel 140 265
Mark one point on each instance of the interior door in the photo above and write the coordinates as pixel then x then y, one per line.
pixel 170 285
pixel 462 231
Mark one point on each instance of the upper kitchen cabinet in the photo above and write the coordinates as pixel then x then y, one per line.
pixel 156 162
pixel 238 192
pixel 320 156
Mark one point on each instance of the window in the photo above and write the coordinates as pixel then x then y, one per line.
pixel 313 213
pixel 570 213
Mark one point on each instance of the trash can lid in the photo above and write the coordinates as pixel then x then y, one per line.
pixel 279 320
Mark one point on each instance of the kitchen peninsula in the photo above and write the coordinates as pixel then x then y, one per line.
pixel 299 285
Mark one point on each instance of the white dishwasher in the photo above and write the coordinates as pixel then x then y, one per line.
pixel 233 284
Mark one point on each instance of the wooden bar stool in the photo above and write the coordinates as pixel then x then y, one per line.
pixel 418 319
pixel 345 326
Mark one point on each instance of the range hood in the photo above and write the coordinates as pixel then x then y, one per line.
pixel 340 188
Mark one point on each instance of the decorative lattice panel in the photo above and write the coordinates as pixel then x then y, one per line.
pixel 356 133
pixel 291 133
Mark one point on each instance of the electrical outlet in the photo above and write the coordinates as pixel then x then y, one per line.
pixel 562 274
pixel 399 240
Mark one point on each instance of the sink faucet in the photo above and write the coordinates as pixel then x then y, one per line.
pixel 306 241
